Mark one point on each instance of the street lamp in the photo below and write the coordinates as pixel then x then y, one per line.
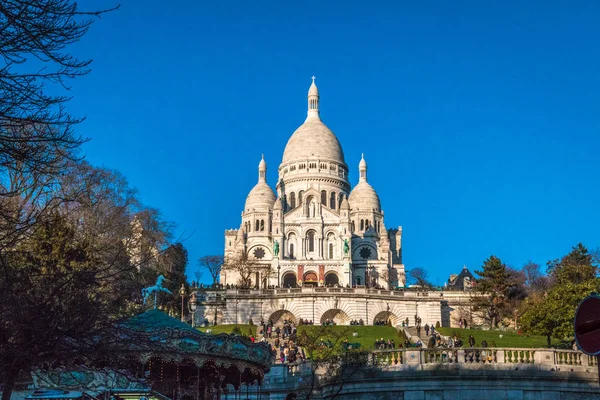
pixel 182 294
pixel 193 305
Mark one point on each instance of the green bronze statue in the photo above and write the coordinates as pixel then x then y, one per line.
pixel 346 247
pixel 276 248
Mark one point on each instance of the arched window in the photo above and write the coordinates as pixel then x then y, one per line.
pixel 291 250
pixel 262 224
pixel 300 193
pixel 292 200
pixel 332 201
pixel 331 251
pixel 367 224
pixel 285 204
pixel 256 225
pixel 362 224
pixel 311 241
pixel 323 197
pixel 340 199
pixel 358 281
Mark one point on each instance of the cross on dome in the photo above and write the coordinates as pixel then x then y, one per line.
pixel 313 78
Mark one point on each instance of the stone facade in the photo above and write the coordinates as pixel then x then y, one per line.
pixel 315 230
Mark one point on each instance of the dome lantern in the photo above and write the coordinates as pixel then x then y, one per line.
pixel 362 168
pixel 262 170
pixel 313 100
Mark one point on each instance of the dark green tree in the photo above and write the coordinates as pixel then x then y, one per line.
pixel 494 287
pixel 573 278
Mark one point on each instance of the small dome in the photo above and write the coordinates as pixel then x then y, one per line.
pixel 313 139
pixel 277 205
pixel 364 197
pixel 260 197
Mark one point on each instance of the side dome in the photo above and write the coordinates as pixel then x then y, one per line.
pixel 364 197
pixel 261 196
pixel 313 139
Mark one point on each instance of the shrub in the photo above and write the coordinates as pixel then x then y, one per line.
pixel 493 344
pixel 251 323
pixel 236 330
pixel 437 325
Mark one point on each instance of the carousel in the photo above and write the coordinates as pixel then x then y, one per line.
pixel 181 362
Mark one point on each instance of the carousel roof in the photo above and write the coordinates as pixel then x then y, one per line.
pixel 155 334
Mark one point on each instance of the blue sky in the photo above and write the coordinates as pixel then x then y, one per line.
pixel 479 120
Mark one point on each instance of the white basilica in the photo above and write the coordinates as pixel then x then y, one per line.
pixel 316 230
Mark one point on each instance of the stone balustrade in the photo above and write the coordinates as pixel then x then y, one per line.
pixel 310 290
pixel 465 373
pixel 551 358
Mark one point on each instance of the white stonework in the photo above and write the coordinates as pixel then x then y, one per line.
pixel 326 234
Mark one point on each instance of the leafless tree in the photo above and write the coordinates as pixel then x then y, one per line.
pixel 36 130
pixel 419 277
pixel 245 268
pixel 212 264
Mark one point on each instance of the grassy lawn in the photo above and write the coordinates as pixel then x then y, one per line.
pixel 508 339
pixel 366 335
pixel 246 329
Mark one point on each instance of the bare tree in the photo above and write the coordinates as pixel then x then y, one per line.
pixel 245 268
pixel 419 277
pixel 535 280
pixel 213 265
pixel 36 131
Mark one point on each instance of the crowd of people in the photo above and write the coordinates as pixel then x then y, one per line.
pixel 283 340
pixel 359 322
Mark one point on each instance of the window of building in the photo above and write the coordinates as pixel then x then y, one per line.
pixel 292 250
pixel 323 197
pixel 331 251
pixel 300 193
pixel 362 224
pixel 332 201
pixel 262 224
pixel 256 225
pixel 292 200
pixel 311 241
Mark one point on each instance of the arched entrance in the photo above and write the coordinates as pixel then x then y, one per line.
pixel 332 279
pixel 311 279
pixel 384 316
pixel 289 280
pixel 280 315
pixel 336 315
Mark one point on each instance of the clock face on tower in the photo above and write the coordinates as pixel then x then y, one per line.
pixel 259 253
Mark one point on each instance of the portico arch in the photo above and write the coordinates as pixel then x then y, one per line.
pixel 332 279
pixel 280 315
pixel 289 280
pixel 339 317
pixel 385 316
pixel 311 279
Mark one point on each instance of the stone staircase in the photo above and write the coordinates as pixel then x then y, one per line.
pixel 411 333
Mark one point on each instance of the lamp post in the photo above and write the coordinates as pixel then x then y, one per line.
pixel 193 305
pixel 278 276
pixel 182 294
pixel 367 310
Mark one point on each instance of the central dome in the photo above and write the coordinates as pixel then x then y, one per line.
pixel 313 139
